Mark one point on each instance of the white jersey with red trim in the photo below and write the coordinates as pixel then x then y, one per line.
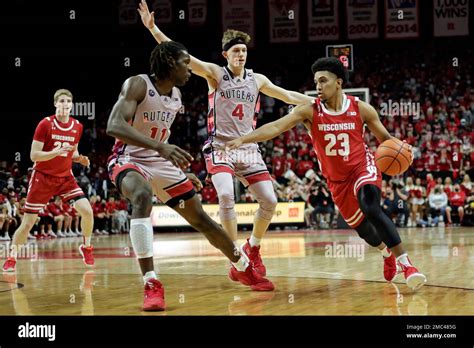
pixel 233 106
pixel 153 118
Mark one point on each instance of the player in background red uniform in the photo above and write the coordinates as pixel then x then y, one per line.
pixel 336 122
pixel 54 149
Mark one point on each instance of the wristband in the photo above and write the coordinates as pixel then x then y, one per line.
pixel 154 30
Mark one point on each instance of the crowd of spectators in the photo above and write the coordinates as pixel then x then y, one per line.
pixel 436 189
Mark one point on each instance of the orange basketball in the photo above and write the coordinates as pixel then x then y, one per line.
pixel 393 157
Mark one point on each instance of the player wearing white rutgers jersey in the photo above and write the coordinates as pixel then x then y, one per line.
pixel 143 163
pixel 232 113
pixel 154 117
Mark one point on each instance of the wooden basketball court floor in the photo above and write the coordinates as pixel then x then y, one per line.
pixel 328 272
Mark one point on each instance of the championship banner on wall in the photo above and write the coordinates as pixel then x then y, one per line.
pixel 284 20
pixel 163 11
pixel 164 216
pixel 239 15
pixel 197 10
pixel 127 13
pixel 323 20
pixel 362 21
pixel 451 17
pixel 401 19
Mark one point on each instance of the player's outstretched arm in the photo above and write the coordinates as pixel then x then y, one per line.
pixel 209 71
pixel 133 92
pixel 290 97
pixel 271 130
pixel 38 155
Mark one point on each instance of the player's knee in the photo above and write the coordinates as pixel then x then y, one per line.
pixel 226 200
pixel 86 213
pixel 142 198
pixel 368 233
pixel 267 207
pixel 371 209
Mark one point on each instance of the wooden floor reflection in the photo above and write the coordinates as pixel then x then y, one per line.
pixel 327 272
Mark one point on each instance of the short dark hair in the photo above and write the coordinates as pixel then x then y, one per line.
pixel 163 56
pixel 330 64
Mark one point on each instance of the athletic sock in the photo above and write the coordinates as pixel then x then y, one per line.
pixel 385 252
pixel 87 241
pixel 242 264
pixel 253 241
pixel 403 259
pixel 149 275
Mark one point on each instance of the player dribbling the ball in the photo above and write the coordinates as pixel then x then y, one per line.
pixel 335 122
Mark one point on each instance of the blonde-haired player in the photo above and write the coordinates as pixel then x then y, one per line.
pixel 233 105
pixel 54 149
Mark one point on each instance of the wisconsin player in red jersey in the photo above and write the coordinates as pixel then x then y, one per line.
pixel 54 149
pixel 143 164
pixel 336 124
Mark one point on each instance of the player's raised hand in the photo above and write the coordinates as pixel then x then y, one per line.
pixel 148 19
pixel 196 182
pixel 233 144
pixel 175 155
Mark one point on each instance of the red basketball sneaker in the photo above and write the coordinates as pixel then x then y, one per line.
pixel 251 278
pixel 253 252
pixel 414 279
pixel 87 256
pixel 390 268
pixel 9 265
pixel 154 296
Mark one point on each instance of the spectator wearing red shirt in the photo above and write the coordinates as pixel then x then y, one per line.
pixel 99 209
pixel 457 198
pixel 198 167
pixel 430 183
pixel 410 139
pixel 68 217
pixel 444 166
pixel 112 215
pixel 123 217
pixel 431 161
pixel 466 184
pixel 289 163
pixel 304 150
pixel 46 219
pixel 448 185
pixel 75 218
pixel 209 194
pixel 303 166
pixel 58 215
pixel 277 165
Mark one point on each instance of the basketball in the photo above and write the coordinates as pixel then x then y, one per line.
pixel 393 157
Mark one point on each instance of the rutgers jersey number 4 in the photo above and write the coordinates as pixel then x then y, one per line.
pixel 343 139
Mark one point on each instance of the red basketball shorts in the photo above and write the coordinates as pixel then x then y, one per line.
pixel 42 187
pixel 344 193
